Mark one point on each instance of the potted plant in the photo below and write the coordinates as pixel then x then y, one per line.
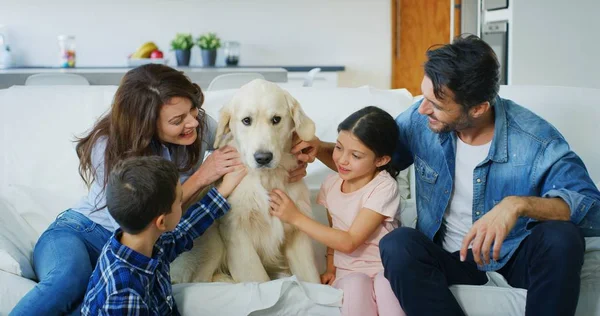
pixel 209 43
pixel 182 45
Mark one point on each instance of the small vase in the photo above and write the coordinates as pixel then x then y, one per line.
pixel 183 57
pixel 209 57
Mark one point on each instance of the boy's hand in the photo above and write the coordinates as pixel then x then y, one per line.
pixel 231 180
pixel 328 277
pixel 282 207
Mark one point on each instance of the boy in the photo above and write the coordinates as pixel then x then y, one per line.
pixel 144 197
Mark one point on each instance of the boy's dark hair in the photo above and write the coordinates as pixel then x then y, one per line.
pixel 468 67
pixel 377 130
pixel 139 189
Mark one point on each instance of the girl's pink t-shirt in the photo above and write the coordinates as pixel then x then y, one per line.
pixel 380 195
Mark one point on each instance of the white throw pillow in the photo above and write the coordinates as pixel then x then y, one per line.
pixel 17 240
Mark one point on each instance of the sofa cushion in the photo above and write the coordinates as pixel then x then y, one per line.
pixel 17 239
pixel 41 180
pixel 12 289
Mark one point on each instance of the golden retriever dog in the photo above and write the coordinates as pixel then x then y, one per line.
pixel 248 244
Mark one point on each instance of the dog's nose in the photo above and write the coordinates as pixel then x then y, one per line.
pixel 263 157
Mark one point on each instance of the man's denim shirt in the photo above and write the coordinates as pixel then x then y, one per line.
pixel 527 157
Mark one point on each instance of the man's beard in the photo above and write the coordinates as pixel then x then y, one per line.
pixel 463 122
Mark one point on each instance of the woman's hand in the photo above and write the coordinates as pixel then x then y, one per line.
pixel 282 207
pixel 222 161
pixel 328 277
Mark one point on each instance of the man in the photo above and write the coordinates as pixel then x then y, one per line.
pixel 498 189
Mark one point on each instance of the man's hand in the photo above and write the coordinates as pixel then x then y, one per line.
pixel 298 173
pixel 493 227
pixel 305 151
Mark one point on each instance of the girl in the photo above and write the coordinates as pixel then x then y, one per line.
pixel 361 200
pixel 156 111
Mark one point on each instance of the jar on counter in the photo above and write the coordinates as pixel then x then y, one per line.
pixel 232 53
pixel 66 45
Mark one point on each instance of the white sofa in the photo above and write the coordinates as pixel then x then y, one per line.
pixel 38 180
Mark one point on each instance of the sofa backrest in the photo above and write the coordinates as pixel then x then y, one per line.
pixel 575 112
pixel 38 166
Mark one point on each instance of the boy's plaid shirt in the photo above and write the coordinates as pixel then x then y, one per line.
pixel 126 282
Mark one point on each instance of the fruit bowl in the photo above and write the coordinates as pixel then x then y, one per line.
pixel 134 62
pixel 148 53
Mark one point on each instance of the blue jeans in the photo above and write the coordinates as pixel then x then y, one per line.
pixel 63 259
pixel 547 263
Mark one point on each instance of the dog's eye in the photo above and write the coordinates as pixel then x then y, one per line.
pixel 276 120
pixel 247 121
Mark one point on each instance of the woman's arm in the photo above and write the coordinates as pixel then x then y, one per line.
pixel 364 225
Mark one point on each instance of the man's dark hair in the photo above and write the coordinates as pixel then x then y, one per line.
pixel 468 67
pixel 139 189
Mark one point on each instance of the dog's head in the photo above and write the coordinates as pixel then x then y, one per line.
pixel 261 118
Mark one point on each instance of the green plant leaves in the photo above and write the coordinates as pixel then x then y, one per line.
pixel 209 41
pixel 182 41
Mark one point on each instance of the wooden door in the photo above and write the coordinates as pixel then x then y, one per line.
pixel 416 26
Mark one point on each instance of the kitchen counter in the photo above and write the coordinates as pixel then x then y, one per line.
pixel 112 75
pixel 307 68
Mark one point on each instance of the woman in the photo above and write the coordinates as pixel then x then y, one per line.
pixel 156 111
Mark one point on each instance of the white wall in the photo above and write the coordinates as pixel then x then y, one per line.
pixel 556 42
pixel 353 33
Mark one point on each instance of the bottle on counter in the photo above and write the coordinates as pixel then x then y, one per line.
pixel 66 45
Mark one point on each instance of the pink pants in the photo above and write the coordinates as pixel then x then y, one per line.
pixel 366 296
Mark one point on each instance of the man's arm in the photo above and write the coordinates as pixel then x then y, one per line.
pixel 308 151
pixel 325 154
pixel 562 174
pixel 542 209
pixel 568 194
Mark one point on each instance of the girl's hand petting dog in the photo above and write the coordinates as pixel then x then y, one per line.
pixel 231 180
pixel 282 207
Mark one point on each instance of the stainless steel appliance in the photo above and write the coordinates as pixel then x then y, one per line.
pixel 496 35
pixel 489 5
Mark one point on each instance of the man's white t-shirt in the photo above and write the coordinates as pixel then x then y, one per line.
pixel 459 216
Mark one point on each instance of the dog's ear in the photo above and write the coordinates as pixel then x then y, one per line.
pixel 223 127
pixel 305 127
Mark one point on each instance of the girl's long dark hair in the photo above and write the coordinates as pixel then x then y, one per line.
pixel 377 130
pixel 130 127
